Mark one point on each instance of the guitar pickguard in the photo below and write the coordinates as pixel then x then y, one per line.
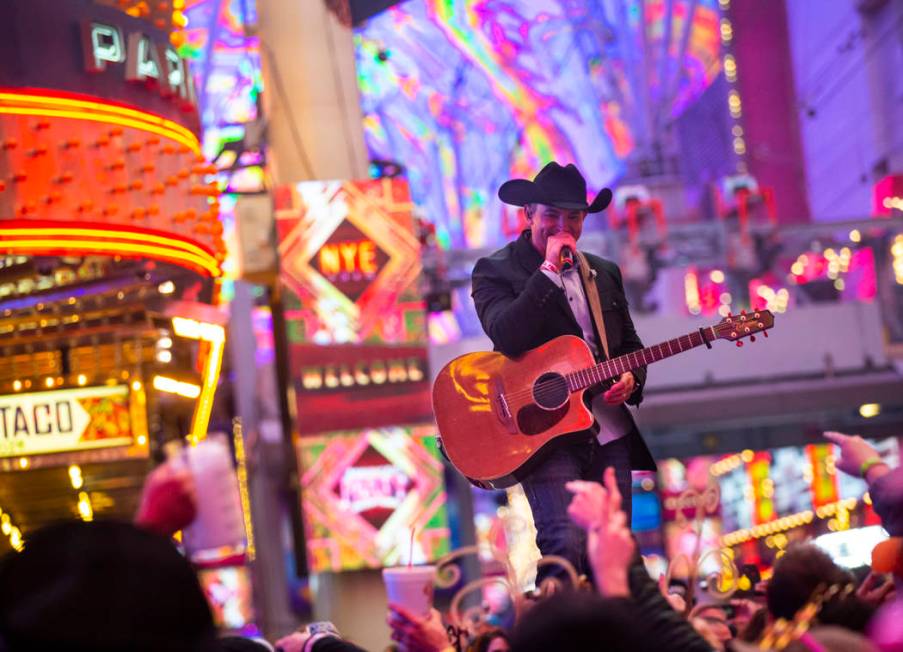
pixel 533 420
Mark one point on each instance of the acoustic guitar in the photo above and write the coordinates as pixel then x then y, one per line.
pixel 498 415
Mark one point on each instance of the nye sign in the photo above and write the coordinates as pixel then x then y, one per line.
pixel 350 261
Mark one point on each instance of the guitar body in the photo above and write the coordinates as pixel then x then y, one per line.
pixel 498 415
pixel 495 414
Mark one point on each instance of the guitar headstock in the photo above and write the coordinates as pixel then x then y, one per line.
pixel 737 327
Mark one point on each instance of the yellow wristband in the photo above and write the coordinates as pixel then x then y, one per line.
pixel 869 463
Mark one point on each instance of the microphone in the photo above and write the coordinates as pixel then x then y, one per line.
pixel 566 259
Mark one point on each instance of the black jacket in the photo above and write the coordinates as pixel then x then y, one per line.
pixel 520 308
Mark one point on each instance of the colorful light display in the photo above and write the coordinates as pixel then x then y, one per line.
pixel 229 592
pixel 354 315
pixel 225 60
pixel 364 492
pixel 465 95
pixel 351 262
pixel 765 494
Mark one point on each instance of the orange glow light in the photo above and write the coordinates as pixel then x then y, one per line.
pixel 66 107
pixel 104 234
pixel 214 338
pixel 173 251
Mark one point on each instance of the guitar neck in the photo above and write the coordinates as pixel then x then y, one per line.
pixel 616 366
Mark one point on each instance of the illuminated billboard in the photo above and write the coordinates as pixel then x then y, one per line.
pixel 340 387
pixel 71 420
pixel 350 262
pixel 466 94
pixel 365 491
pixel 229 593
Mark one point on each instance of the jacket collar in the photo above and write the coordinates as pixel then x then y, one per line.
pixel 526 253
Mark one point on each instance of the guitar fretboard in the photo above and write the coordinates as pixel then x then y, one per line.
pixel 616 366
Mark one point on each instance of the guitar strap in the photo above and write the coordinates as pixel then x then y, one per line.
pixel 587 275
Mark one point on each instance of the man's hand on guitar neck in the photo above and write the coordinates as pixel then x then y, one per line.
pixel 621 390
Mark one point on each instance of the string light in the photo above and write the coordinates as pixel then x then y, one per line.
pixel 897 251
pixel 9 529
pixel 729 64
pixel 691 292
pixel 244 494
pixel 173 386
pixel 840 509
pixel 75 477
pixel 869 410
pixel 85 510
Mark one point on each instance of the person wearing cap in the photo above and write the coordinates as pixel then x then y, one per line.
pixel 525 296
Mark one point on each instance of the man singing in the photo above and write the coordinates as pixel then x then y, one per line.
pixel 525 295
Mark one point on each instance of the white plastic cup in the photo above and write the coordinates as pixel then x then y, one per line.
pixel 218 529
pixel 411 587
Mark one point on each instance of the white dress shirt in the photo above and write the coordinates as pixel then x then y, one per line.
pixel 613 420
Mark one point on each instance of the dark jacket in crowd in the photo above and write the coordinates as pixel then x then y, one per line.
pixel 520 309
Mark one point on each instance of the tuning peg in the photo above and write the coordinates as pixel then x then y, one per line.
pixel 764 333
pixel 752 338
pixel 739 343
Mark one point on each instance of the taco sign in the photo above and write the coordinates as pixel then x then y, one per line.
pixel 64 420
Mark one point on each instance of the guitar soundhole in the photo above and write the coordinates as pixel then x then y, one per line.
pixel 550 391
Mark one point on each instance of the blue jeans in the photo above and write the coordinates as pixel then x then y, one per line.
pixel 556 534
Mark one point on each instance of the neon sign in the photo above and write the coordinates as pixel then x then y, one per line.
pixel 373 487
pixel 348 258
pixel 146 60
pixel 373 372
pixel 66 420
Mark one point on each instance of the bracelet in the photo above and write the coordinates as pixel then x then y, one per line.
pixel 549 267
pixel 868 464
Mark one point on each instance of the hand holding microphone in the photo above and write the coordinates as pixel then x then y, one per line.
pixel 567 259
pixel 560 251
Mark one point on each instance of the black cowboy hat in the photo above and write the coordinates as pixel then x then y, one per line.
pixel 562 187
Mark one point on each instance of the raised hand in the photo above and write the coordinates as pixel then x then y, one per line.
pixel 609 546
pixel 168 502
pixel 854 450
pixel 417 633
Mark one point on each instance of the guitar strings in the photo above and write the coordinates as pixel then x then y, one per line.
pixel 544 389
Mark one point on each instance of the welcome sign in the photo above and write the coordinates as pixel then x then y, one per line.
pixel 65 420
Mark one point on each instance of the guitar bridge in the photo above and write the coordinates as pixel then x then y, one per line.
pixel 500 406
